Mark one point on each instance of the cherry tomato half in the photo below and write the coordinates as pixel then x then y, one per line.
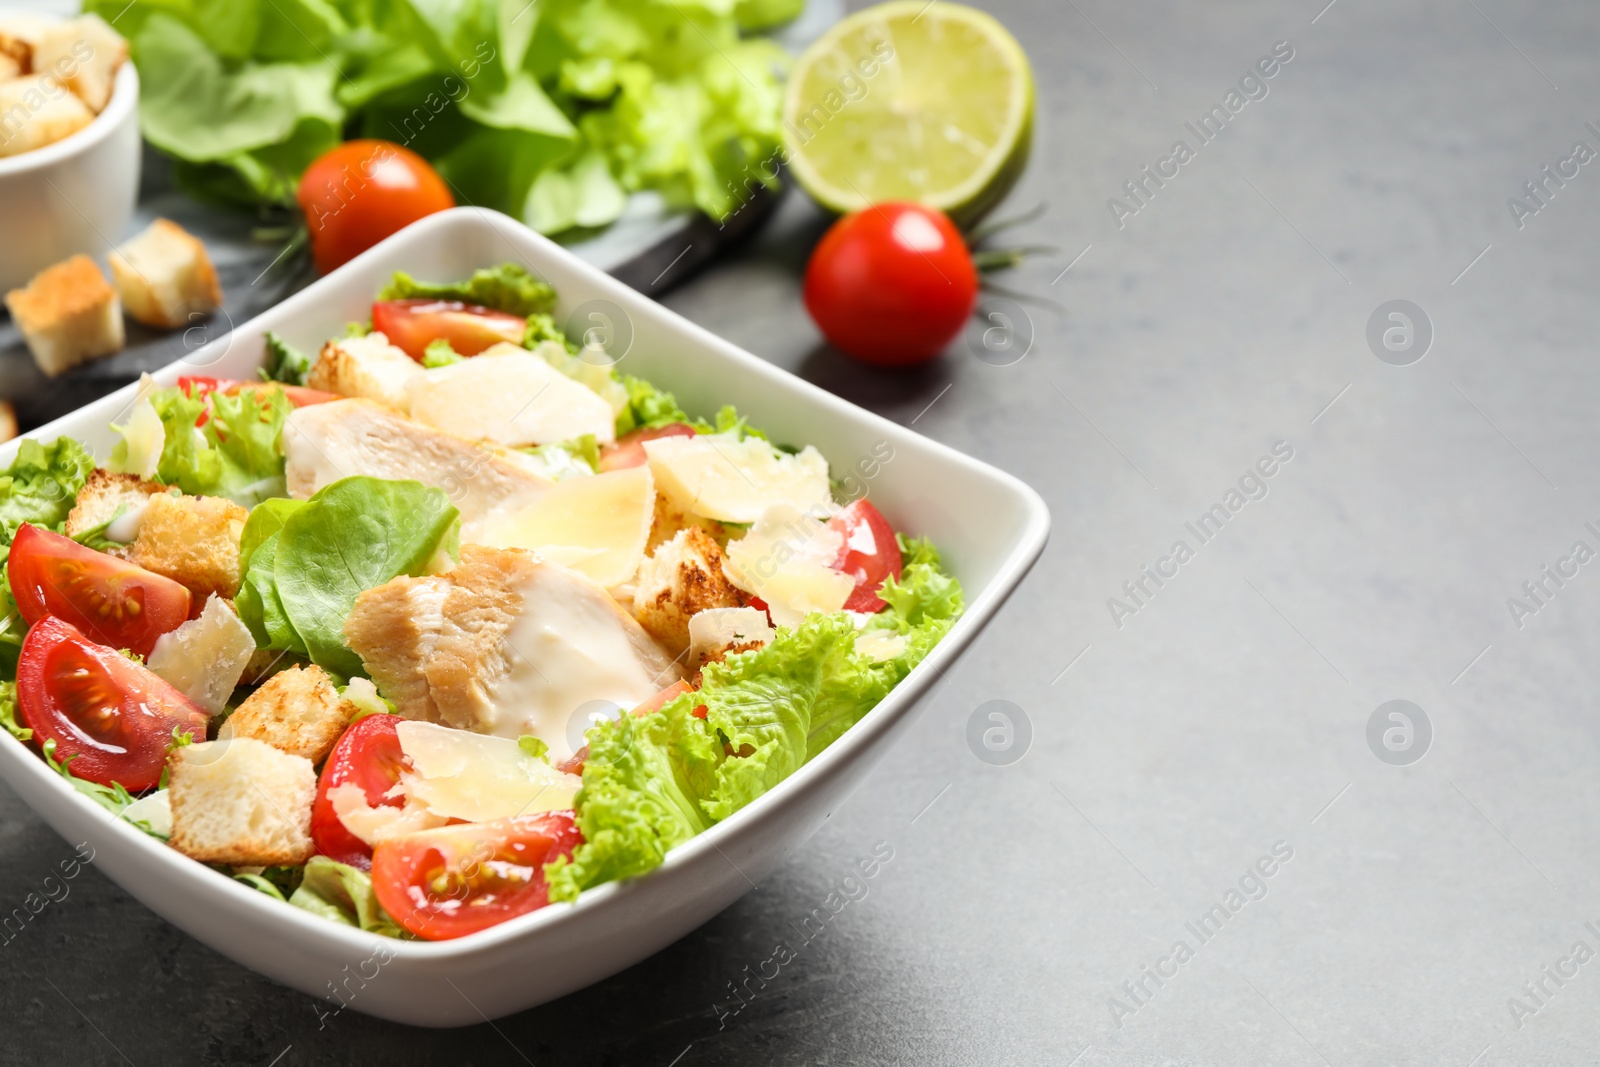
pixel 456 880
pixel 361 192
pixel 298 395
pixel 115 718
pixel 869 555
pixel 367 755
pixel 574 764
pixel 891 285
pixel 110 599
pixel 629 449
pixel 411 324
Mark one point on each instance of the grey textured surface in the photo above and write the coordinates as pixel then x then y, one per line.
pixel 1230 711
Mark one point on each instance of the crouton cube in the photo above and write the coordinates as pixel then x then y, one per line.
pixel 165 278
pixel 297 711
pixel 368 367
pixel 84 55
pixel 68 313
pixel 10 67
pixel 682 577
pixel 102 496
pixel 194 540
pixel 37 110
pixel 8 421
pixel 241 802
pixel 19 36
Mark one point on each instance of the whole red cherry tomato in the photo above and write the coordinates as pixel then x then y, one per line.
pixel 361 192
pixel 892 285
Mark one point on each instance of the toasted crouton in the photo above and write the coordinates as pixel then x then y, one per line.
pixel 194 540
pixel 19 36
pixel 84 55
pixel 165 278
pixel 10 67
pixel 103 495
pixel 682 577
pixel 37 110
pixel 297 711
pixel 8 421
pixel 368 367
pixel 68 313
pixel 241 802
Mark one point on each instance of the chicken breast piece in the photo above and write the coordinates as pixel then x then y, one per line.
pixel 506 644
pixel 326 442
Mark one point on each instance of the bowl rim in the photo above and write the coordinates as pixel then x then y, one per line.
pixel 1029 544
pixel 124 99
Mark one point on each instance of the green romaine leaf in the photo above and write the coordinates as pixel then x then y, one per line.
pixel 8 713
pixel 285 363
pixel 755 15
pixel 643 784
pixel 238 453
pixel 204 109
pixel 439 353
pixel 653 782
pixel 352 536
pixel 343 894
pixel 508 287
pixel 113 798
pixel 257 601
pixel 568 459
pixel 41 485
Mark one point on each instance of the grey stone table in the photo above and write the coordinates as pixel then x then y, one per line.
pixel 1204 769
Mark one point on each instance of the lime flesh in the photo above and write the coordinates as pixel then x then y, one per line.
pixel 910 100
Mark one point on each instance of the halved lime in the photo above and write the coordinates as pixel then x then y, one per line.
pixel 910 100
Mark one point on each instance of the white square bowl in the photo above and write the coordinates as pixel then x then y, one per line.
pixel 989 526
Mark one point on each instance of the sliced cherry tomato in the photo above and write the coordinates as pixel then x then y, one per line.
pixel 411 324
pixel 110 599
pixel 361 192
pixel 456 880
pixel 629 449
pixel 892 285
pixel 112 717
pixel 367 755
pixel 869 555
pixel 574 764
pixel 298 395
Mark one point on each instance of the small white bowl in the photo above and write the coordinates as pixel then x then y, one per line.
pixel 76 195
pixel 989 526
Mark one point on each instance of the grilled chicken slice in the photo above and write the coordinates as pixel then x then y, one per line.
pixel 326 442
pixel 506 644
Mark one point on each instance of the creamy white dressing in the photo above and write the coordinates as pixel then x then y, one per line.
pixel 563 652
pixel 125 527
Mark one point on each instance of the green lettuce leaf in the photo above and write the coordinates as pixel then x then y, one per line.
pixel 238 453
pixel 8 713
pixel 343 894
pixel 651 783
pixel 568 459
pixel 643 784
pixel 508 287
pixel 352 536
pixel 257 600
pixel 285 363
pixel 41 485
pixel 113 797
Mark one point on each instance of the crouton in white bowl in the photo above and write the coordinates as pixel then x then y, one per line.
pixel 989 526
pixel 65 195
